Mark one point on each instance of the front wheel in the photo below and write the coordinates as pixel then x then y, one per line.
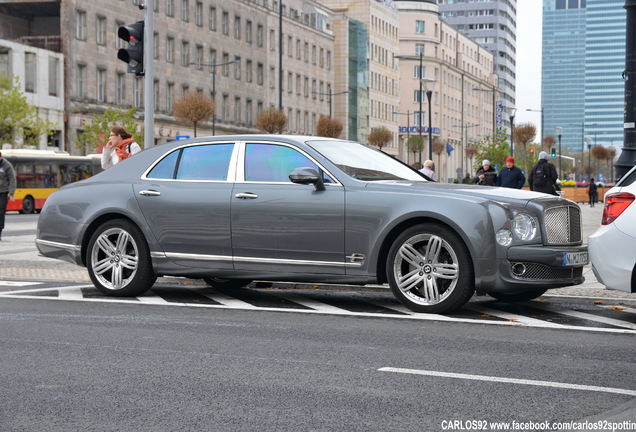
pixel 118 260
pixel 522 296
pixel 429 269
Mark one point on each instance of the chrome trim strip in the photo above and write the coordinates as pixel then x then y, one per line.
pixel 158 255
pixel 74 248
pixel 202 257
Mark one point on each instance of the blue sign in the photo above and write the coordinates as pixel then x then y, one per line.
pixel 415 129
pixel 182 137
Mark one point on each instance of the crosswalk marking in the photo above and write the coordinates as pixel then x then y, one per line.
pixel 590 317
pixel 313 304
pixel 512 317
pixel 229 302
pixel 149 298
pixel 70 293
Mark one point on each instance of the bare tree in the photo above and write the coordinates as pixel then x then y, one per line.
pixel 415 144
pixel 524 134
pixel 272 121
pixel 549 141
pixel 328 127
pixel 438 148
pixel 471 151
pixel 193 108
pixel 380 137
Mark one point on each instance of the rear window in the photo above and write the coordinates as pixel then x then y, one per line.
pixel 201 162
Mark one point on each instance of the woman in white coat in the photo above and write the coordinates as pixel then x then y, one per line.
pixel 120 146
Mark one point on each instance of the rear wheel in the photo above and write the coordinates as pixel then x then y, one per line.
pixel 226 283
pixel 118 260
pixel 28 205
pixel 429 269
pixel 522 296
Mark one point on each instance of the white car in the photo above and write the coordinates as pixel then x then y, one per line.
pixel 612 247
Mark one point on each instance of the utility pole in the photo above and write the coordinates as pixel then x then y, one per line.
pixel 627 159
pixel 149 93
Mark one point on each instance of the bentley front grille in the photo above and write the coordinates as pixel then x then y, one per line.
pixel 563 225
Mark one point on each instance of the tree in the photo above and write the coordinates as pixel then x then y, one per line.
pixel 95 135
pixel 328 127
pixel 415 144
pixel 524 134
pixel 380 136
pixel 496 152
pixel 19 122
pixel 471 151
pixel 549 142
pixel 438 148
pixel 599 153
pixel 193 108
pixel 272 121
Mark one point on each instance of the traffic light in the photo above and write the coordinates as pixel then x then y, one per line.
pixel 531 151
pixel 134 54
pixel 553 152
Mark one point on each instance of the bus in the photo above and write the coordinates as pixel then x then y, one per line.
pixel 39 173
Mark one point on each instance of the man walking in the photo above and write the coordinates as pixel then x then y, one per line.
pixel 7 188
pixel 543 176
pixel 511 176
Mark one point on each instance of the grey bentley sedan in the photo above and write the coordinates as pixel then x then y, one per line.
pixel 233 209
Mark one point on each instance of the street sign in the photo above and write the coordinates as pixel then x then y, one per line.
pixel 182 137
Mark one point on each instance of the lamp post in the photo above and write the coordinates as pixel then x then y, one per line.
pixel 512 112
pixel 542 123
pixel 494 114
pixel 429 94
pixel 419 75
pixel 559 132
pixel 408 130
pixel 589 155
pixel 213 66
pixel 331 95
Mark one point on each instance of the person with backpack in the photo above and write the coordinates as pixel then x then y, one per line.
pixel 592 192
pixel 543 176
pixel 120 146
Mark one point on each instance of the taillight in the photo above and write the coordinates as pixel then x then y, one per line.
pixel 615 204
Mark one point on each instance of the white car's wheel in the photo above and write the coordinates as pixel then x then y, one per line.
pixel 118 259
pixel 429 269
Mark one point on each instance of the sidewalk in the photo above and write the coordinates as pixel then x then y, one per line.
pixel 19 260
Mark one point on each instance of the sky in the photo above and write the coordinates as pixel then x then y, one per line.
pixel 528 94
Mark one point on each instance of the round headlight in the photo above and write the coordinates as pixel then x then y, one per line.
pixel 504 237
pixel 525 226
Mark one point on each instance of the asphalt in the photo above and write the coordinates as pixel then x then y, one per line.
pixel 19 261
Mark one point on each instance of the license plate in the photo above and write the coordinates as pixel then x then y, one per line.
pixel 575 259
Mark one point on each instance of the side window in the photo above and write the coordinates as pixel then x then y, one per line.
pixel 165 168
pixel 273 163
pixel 205 162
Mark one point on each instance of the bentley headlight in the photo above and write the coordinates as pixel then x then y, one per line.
pixel 525 226
pixel 504 237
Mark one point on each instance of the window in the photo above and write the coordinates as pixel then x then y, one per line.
pixel 248 112
pixel 139 83
pixel 198 14
pixel 155 89
pixel 198 56
pixel 120 88
pixel 298 49
pixel 419 49
pixel 184 10
pixel 212 19
pixel 237 110
pixel 237 68
pixel 259 74
pixel 80 29
pixel 225 24
pixel 30 72
pixel 273 163
pixel 203 162
pixel 248 71
pixel 170 50
pixel 259 35
pixel 101 31
pixel 119 42
pixel 54 70
pixel 170 8
pixel 419 26
pixel 185 53
pixel 419 72
pixel 272 40
pixel 237 27
pixel 248 32
pixel 169 97
pixel 156 46
pixel 81 80
pixel 101 85
pixel 226 66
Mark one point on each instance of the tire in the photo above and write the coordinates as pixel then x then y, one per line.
pixel 226 283
pixel 517 297
pixel 430 270
pixel 28 205
pixel 118 260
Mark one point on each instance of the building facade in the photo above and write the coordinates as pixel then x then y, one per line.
pixel 463 85
pixel 493 24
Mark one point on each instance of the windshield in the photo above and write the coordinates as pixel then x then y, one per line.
pixel 363 162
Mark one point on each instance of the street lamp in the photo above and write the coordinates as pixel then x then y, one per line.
pixel 428 82
pixel 419 75
pixel 213 66
pixel 559 131
pixel 542 124
pixel 408 129
pixel 512 112
pixel 494 115
pixel 330 94
pixel 589 156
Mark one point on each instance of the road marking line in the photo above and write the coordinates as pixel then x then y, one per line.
pixel 152 299
pixel 313 304
pixel 589 317
pixel 70 293
pixel 37 290
pixel 510 380
pixel 18 284
pixel 508 316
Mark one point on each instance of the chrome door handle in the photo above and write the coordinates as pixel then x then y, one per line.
pixel 246 195
pixel 149 193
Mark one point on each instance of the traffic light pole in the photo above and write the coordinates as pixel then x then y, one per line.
pixel 149 94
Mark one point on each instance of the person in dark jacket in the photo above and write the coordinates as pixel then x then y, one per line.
pixel 543 176
pixel 511 176
pixel 7 188
pixel 592 192
pixel 486 175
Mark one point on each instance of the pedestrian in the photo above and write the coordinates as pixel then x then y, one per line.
pixel 120 146
pixel 7 188
pixel 429 170
pixel 543 176
pixel 592 192
pixel 511 176
pixel 486 175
